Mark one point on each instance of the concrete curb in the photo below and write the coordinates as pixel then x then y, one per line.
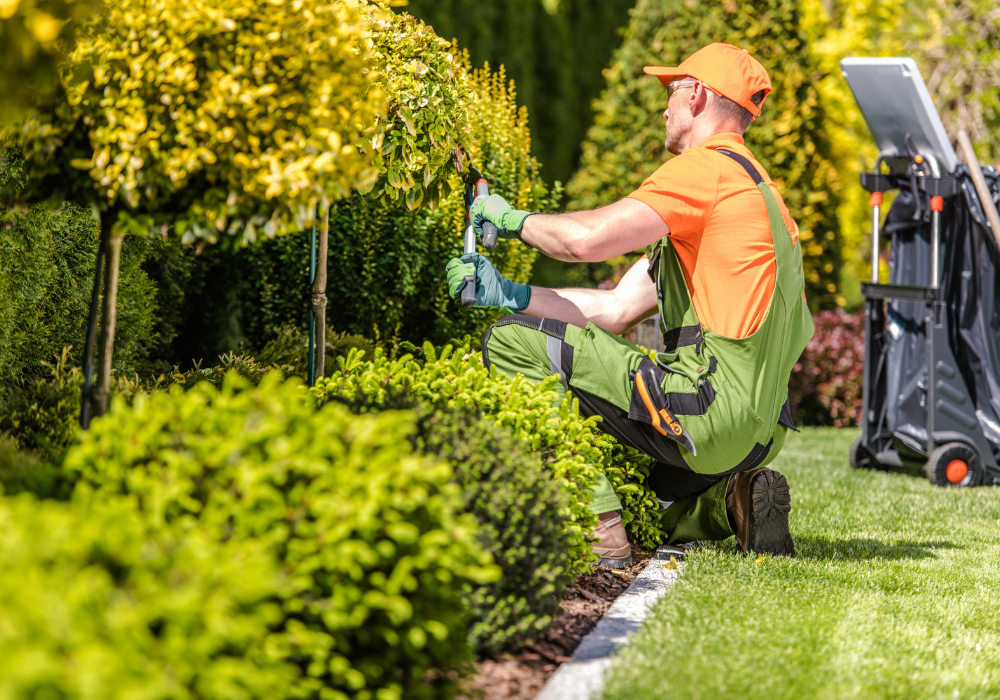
pixel 582 677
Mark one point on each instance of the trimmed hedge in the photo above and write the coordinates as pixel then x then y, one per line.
pixel 367 533
pixel 94 604
pixel 572 449
pixel 47 257
pixel 512 498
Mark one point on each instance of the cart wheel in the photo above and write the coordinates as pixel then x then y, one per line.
pixel 859 455
pixel 954 464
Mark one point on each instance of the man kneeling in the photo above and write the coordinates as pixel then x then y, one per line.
pixel 723 269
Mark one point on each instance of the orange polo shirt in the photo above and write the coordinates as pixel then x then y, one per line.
pixel 719 228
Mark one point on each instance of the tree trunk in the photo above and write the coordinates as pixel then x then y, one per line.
pixel 112 255
pixel 319 290
pixel 86 406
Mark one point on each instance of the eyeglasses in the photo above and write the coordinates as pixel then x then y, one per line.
pixel 686 83
pixel 672 87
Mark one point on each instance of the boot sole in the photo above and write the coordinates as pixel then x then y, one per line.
pixel 616 562
pixel 770 503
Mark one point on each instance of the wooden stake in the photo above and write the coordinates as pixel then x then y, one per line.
pixel 112 256
pixel 319 290
pixel 982 189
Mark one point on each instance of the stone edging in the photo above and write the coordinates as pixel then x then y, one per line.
pixel 582 677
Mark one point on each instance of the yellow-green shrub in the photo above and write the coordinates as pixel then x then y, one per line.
pixel 236 117
pixel 95 604
pixel 387 262
pixel 365 531
pixel 572 449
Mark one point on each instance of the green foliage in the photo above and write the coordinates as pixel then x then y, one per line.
pixel 427 98
pixel 572 449
pixel 517 504
pixel 96 604
pixel 42 414
pixel 237 117
pixel 554 50
pixel 386 264
pixel 47 256
pixel 957 46
pixel 21 471
pixel 366 532
pixel 519 508
pixel 627 469
pixel 625 144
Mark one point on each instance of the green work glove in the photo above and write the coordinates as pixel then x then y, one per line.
pixel 506 218
pixel 492 288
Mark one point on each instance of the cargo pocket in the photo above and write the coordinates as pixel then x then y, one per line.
pixel 651 405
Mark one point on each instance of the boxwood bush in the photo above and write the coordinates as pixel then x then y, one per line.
pixel 572 449
pixel 366 531
pixel 519 507
pixel 95 604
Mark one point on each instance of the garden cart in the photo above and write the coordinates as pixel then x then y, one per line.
pixel 931 397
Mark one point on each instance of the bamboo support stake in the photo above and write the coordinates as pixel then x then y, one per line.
pixel 982 189
pixel 319 289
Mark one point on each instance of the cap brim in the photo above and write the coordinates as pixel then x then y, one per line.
pixel 665 75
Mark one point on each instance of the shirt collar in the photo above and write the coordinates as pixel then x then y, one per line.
pixel 726 138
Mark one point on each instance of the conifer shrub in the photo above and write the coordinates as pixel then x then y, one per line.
pixel 625 144
pixel 520 509
pixel 42 414
pixel 367 533
pixel 23 471
pixel 95 604
pixel 46 277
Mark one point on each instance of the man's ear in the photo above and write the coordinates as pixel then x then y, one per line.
pixel 698 101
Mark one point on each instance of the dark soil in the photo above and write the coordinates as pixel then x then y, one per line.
pixel 521 674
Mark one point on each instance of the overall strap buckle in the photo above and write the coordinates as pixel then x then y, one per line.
pixel 675 338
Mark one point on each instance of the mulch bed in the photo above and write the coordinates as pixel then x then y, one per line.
pixel 520 675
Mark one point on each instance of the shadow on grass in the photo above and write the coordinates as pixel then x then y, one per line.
pixel 864 549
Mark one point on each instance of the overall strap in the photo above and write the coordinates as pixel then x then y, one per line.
pixel 780 237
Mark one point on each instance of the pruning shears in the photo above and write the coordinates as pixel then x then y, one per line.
pixel 475 188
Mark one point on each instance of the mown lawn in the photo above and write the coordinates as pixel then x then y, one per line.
pixel 895 594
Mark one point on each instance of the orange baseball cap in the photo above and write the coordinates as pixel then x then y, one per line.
pixel 730 71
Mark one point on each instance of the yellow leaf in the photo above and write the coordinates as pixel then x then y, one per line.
pixel 8 8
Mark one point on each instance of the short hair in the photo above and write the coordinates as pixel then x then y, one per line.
pixel 725 107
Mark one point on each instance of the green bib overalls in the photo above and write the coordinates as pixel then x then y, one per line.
pixel 708 407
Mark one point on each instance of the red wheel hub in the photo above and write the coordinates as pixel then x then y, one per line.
pixel 956 471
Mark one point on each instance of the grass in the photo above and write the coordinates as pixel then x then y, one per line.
pixel 895 594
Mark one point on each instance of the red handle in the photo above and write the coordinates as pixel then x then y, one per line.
pixel 875 200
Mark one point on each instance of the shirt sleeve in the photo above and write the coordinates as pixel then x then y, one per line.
pixel 683 192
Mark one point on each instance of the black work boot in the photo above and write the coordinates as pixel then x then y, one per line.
pixel 613 545
pixel 758 503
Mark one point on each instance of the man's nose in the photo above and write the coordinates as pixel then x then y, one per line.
pixel 666 113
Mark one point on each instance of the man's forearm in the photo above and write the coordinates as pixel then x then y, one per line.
pixel 593 236
pixel 564 237
pixel 578 306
